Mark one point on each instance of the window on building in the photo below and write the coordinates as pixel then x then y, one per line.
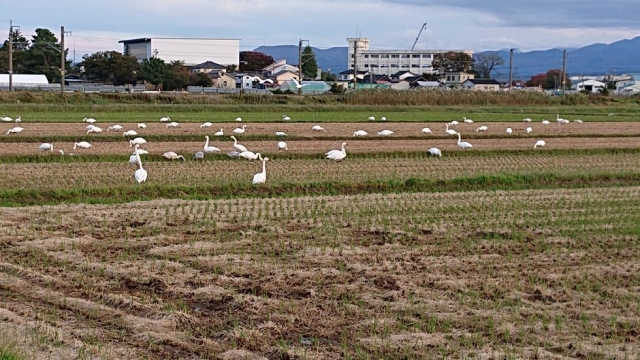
pixel 416 56
pixel 384 66
pixel 366 65
pixel 426 56
pixel 374 65
pixel 384 56
pixel 395 56
pixel 374 56
pixel 413 66
pixel 366 56
pixel 448 77
pixel 394 65
pixel 406 56
pixel 352 56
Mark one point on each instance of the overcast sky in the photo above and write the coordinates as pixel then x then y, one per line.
pixel 477 25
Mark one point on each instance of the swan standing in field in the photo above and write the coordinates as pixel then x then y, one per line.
pixel 435 151
pixel 282 145
pixel 384 118
pixel 360 133
pixel 89 120
pixel 509 130
pixel 19 119
pixel 46 146
pixel 130 133
pixel 208 148
pixel 142 126
pixel 450 131
pixel 133 158
pixel 95 130
pixel 385 133
pixel 539 143
pixel 482 128
pixel 173 124
pixel 337 155
pixel 240 130
pixel 426 131
pixel 81 144
pixel 199 155
pixel 281 133
pixel 250 155
pixel 6 119
pixel 463 144
pixel 141 174
pixel 318 128
pixel 526 119
pixel 372 118
pixel 219 133
pixel 529 129
pixel 560 120
pixel 240 147
pixel 165 119
pixel 115 128
pixel 206 124
pixel 15 130
pixel 137 140
pixel 172 155
pixel 545 122
pixel 261 177
pixel 468 121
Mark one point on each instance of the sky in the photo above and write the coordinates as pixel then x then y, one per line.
pixel 478 25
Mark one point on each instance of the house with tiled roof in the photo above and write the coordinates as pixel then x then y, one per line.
pixel 481 84
pixel 207 67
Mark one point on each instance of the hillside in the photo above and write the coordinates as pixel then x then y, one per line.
pixel 597 59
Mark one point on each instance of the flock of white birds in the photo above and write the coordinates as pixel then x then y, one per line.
pixel 241 151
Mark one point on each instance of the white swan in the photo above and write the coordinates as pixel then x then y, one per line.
pixel 238 119
pixel 90 126
pixel 165 119
pixel 199 155
pixel 142 125
pixel 261 81
pixel 94 129
pixel 468 121
pixel 539 143
pixel 206 124
pixel 281 133
pixel 509 130
pixel 89 120
pixel 173 124
pixel 463 144
pixel 426 131
pixel 285 118
pixel 298 85
pixel 360 133
pixel 133 159
pixel 130 133
pixel 219 133
pixel 450 131
pixel 115 128
pixel 250 155
pixel 46 146
pixel 561 120
pixel 482 128
pixel 240 147
pixel 81 144
pixel 384 118
pixel 578 121
pixel 545 122
pixel 261 177
pixel 282 145
pixel 337 155
pixel 240 130
pixel 526 119
pixel 372 118
pixel 385 133
pixel 529 129
pixel 141 174
pixel 454 122
pixel 137 140
pixel 6 119
pixel 208 148
pixel 435 151
pixel 171 155
pixel 317 128
pixel 233 154
pixel 15 130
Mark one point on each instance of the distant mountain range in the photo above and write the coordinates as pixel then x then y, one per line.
pixel 597 59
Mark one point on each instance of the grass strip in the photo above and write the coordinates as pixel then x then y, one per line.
pixel 135 192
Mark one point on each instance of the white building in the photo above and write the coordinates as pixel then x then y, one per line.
pixel 387 62
pixel 190 50
pixel 592 86
pixel 24 80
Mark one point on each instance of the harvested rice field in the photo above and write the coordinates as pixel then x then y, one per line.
pixel 499 251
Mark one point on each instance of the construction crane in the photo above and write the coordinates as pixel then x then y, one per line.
pixel 418 37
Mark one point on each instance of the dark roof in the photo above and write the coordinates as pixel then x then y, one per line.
pixel 350 71
pixel 400 73
pixel 134 41
pixel 412 79
pixel 208 65
pixel 483 81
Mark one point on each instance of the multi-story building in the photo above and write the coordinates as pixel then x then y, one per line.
pixel 387 62
pixel 190 50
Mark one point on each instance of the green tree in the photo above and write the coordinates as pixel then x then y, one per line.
pixel 153 71
pixel 309 64
pixel 43 56
pixel 20 44
pixel 485 63
pixel 200 79
pixel 254 60
pixel 177 76
pixel 452 61
pixel 110 67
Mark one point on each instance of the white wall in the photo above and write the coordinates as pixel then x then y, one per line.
pixel 195 51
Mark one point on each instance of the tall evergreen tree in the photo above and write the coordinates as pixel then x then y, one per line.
pixel 309 64
pixel 43 56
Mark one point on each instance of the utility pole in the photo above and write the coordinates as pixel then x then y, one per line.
pixel 300 65
pixel 564 69
pixel 63 60
pixel 511 67
pixel 10 55
pixel 355 63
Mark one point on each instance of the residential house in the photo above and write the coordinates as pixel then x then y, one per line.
pixel 401 75
pixel 285 75
pixel 278 66
pixel 481 84
pixel 407 82
pixel 222 80
pixel 592 86
pixel 348 75
pixel 630 86
pixel 207 67
pixel 243 81
pixel 454 79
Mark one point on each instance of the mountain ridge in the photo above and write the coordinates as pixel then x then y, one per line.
pixel 594 59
